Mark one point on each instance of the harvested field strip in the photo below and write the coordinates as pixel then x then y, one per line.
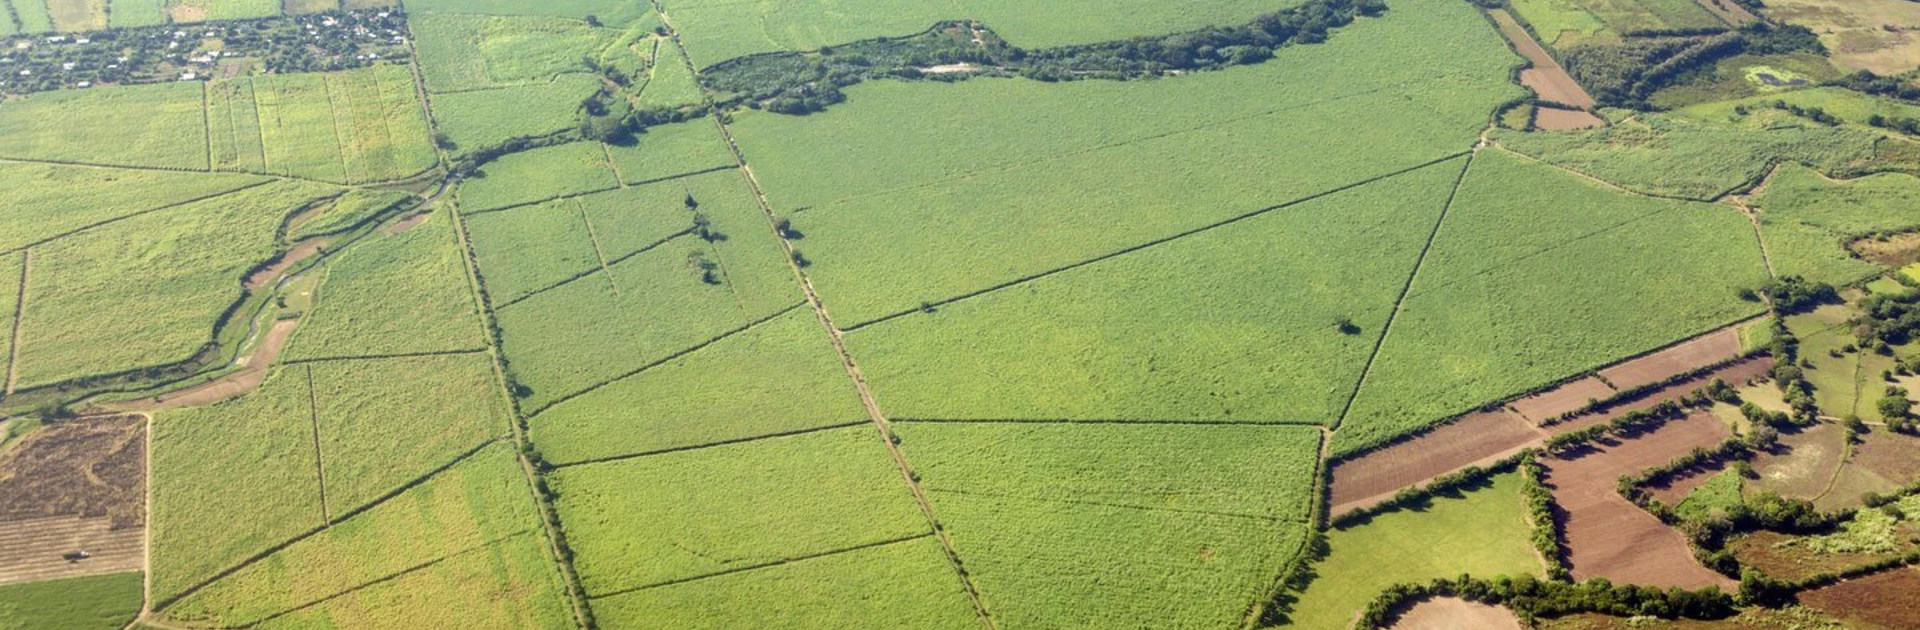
pixel 1559 401
pixel 1477 439
pixel 1734 374
pixel 1091 421
pixel 785 561
pixel 1546 77
pixel 31 549
pixel 1697 353
pixel 384 579
pixel 677 449
pixel 670 357
pixel 1149 244
pixel 1882 601
pixel 1607 536
pixel 602 268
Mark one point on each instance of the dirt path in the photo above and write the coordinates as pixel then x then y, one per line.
pixel 271 274
pixel 835 336
pixel 253 371
pixel 19 317
pixel 1742 202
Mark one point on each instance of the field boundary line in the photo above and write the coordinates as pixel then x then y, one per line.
pixel 833 333
pixel 557 551
pixel 18 325
pixel 384 357
pixel 344 517
pixel 146 528
pixel 594 238
pixel 1157 241
pixel 764 565
pixel 597 191
pixel 1317 506
pixel 606 153
pixel 206 119
pixel 339 140
pixel 1111 421
pixel 706 445
pixel 604 267
pixel 319 460
pixel 1121 506
pixel 663 360
pixel 397 575
pixel 1405 290
pixel 136 214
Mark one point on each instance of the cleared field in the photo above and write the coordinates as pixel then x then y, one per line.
pixel 1450 612
pixel 1546 78
pixel 104 602
pixel 159 125
pixel 1562 400
pixel 1649 271
pixel 642 522
pixel 71 486
pixel 78 15
pixel 1807 219
pixel 1698 353
pixel 465 544
pixel 41 201
pixel 1684 157
pixel 531 248
pixel 909 584
pixel 1483 533
pixel 473 52
pixel 613 12
pixel 1607 536
pixel 1877 602
pixel 1856 31
pixel 383 423
pixel 393 294
pixel 1257 303
pixel 982 182
pixel 133 13
pixel 542 174
pixel 477 119
pixel 231 480
pixel 1480 438
pixel 352 127
pixel 147 290
pixel 777 377
pixel 670 150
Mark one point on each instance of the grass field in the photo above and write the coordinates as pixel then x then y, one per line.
pixel 233 117
pixel 670 150
pixel 133 13
pixel 403 293
pixel 147 290
pixel 538 175
pixel 1807 219
pixel 477 119
pixel 671 83
pixel 158 125
pixel 612 12
pixel 777 377
pixel 472 52
pixel 909 584
pixel 10 267
pixel 982 182
pixel 101 602
pixel 1716 497
pixel 346 212
pixel 41 201
pixel 1100 341
pixel 530 248
pixel 352 127
pixel 1563 23
pixel 465 544
pixel 385 422
pixel 1537 275
pixel 231 480
pixel 1628 16
pixel 1483 533
pixel 33 15
pixel 641 522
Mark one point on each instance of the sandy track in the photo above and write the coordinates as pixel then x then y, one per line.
pixel 232 385
pixel 1451 613
pixel 1716 347
pixel 1562 400
pixel 1478 438
pixel 1547 78
pixel 1609 537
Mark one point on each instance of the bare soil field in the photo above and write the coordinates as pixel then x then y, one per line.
pixel 1882 462
pixel 1717 347
pixel 1896 251
pixel 1546 77
pixel 1451 613
pixel 1734 374
pixel 1609 537
pixel 1562 400
pixel 1882 601
pixel 1878 35
pixel 246 379
pixel 1803 465
pixel 1764 550
pixel 74 486
pixel 1557 119
pixel 1478 438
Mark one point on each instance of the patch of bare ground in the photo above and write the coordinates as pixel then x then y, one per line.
pixel 1880 463
pixel 1728 11
pixel 1562 400
pixel 1803 464
pixel 1734 374
pixel 1898 250
pixel 1608 536
pixel 74 486
pixel 253 371
pixel 1558 119
pixel 270 274
pixel 1883 601
pixel 1452 613
pixel 183 13
pixel 1478 438
pixel 408 223
pixel 1546 78
pixel 1779 557
pixel 1713 348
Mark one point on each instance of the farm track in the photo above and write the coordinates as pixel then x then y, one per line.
pixel 707 445
pixel 834 334
pixel 764 565
pixel 1152 243
pixel 664 360
pixel 319 459
pixel 1405 289
pixel 19 315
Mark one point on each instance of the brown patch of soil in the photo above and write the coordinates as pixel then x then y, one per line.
pixel 1882 601
pixel 1717 347
pixel 1898 250
pixel 1804 463
pixel 1546 77
pixel 251 374
pixel 1729 12
pixel 1557 119
pixel 72 486
pixel 272 273
pixel 188 13
pixel 1764 550
pixel 1562 400
pixel 1733 374
pixel 1451 613
pixel 408 223
pixel 1609 537
pixel 1478 438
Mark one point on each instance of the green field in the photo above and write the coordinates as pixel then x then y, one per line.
pixel 671 83
pixel 1628 16
pixel 1483 533
pixel 393 294
pixel 146 290
pixel 777 377
pixel 477 119
pixel 471 52
pixel 33 15
pixel 575 168
pixel 1807 219
pixel 1256 303
pixel 159 125
pixel 449 405
pixel 643 522
pixel 132 13
pixel 42 201
pixel 100 602
pixel 1563 23
pixel 10 267
pixel 670 150
pixel 1716 497
pixel 532 248
pixel 1538 274
pixel 465 545
pixel 351 127
pixel 233 9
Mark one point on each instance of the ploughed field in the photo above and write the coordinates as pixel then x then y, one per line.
pixel 433 342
